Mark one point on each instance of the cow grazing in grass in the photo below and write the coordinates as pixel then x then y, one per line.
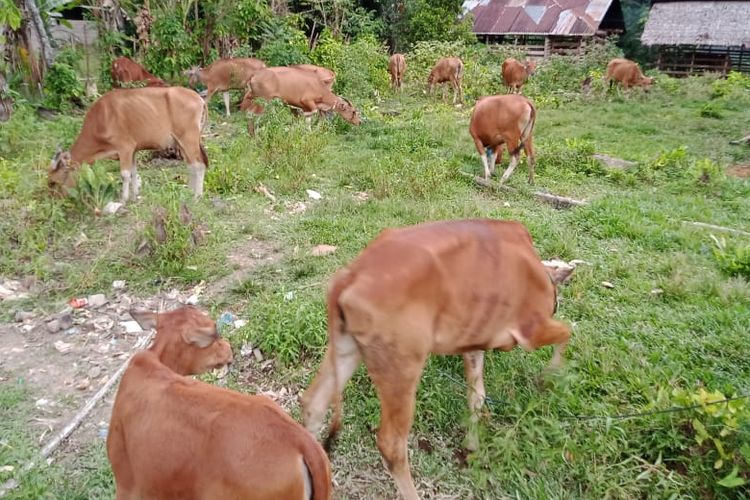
pixel 298 88
pixel 451 287
pixel 125 70
pixel 397 68
pixel 448 70
pixel 124 121
pixel 171 436
pixel 224 75
pixel 628 73
pixel 325 75
pixel 515 73
pixel 504 120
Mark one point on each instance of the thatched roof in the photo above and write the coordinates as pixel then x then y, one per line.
pixel 723 23
pixel 543 17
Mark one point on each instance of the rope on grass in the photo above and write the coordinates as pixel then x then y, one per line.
pixel 623 416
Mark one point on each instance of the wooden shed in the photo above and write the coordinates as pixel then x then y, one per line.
pixel 544 27
pixel 695 37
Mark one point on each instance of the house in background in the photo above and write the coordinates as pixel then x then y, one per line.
pixel 695 37
pixel 544 27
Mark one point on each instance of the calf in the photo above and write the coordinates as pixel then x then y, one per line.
pixel 448 70
pixel 225 74
pixel 299 88
pixel 515 73
pixel 125 70
pixel 628 73
pixel 124 121
pixel 174 437
pixel 451 287
pixel 503 120
pixel 397 68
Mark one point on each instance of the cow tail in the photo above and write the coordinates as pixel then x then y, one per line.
pixel 526 132
pixel 340 281
pixel 318 469
pixel 203 122
pixel 460 70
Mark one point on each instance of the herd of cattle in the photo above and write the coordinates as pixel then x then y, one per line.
pixel 450 287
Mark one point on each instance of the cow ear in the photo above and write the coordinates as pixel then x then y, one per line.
pixel 558 271
pixel 200 337
pixel 55 163
pixel 146 319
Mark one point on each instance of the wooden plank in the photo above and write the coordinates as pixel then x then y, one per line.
pixel 716 228
pixel 553 199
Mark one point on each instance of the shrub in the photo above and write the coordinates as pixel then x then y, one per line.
pixel 285 44
pixel 172 48
pixel 734 82
pixel 61 83
pixel 733 260
pixel 94 189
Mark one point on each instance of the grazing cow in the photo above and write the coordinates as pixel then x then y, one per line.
pixel 450 287
pixel 171 436
pixel 503 120
pixel 125 70
pixel 628 73
pixel 448 70
pixel 124 121
pixel 515 73
pixel 397 68
pixel 325 75
pixel 299 88
pixel 225 74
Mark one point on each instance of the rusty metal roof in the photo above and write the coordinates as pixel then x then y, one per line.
pixel 537 17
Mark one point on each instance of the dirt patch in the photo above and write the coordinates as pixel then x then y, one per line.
pixel 244 259
pixel 739 171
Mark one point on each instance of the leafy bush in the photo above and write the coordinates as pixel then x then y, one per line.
pixel 172 48
pixel 711 110
pixel 61 84
pixel 286 44
pixel 94 189
pixel 734 82
pixel 732 260
pixel 573 155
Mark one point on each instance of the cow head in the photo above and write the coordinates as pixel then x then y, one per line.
pixel 530 66
pixel 187 341
pixel 347 111
pixel 61 173
pixel 646 82
pixel 559 271
pixel 193 75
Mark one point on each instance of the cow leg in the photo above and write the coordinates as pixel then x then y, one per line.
pixel 192 152
pixel 528 147
pixel 445 86
pixel 492 157
pixel 551 332
pixel 343 356
pixel 226 102
pixel 396 378
pixel 136 180
pixel 498 154
pixel 126 173
pixel 474 371
pixel 483 155
pixel 511 167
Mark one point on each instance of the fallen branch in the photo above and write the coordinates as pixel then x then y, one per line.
pixel 716 228
pixel 553 199
pixel 66 431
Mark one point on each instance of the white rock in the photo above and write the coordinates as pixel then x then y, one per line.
pixel 239 323
pixel 112 207
pixel 96 300
pixel 313 194
pixel 63 347
pixel 321 250
pixel 118 284
pixel 607 284
pixel 131 326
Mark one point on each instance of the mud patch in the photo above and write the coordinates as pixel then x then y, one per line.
pixel 739 171
pixel 244 259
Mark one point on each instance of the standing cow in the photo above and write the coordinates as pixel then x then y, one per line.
pixel 503 120
pixel 448 70
pixel 515 73
pixel 126 70
pixel 224 75
pixel 628 73
pixel 125 121
pixel 397 68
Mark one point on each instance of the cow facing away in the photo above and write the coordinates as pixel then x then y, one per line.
pixel 448 70
pixel 124 121
pixel 397 68
pixel 299 88
pixel 515 73
pixel 125 70
pixel 628 73
pixel 224 75
pixel 450 287
pixel 503 120
pixel 171 436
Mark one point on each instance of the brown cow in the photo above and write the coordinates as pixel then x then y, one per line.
pixel 225 74
pixel 299 88
pixel 397 68
pixel 448 70
pixel 450 287
pixel 325 75
pixel 628 73
pixel 174 437
pixel 503 120
pixel 125 70
pixel 515 73
pixel 124 121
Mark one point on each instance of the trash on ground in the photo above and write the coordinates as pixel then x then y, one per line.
pixel 322 250
pixel 313 194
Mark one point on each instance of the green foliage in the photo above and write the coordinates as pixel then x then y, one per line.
pixel 734 82
pixel 733 260
pixel 286 44
pixel 711 110
pixel 94 189
pixel 9 15
pixel 572 154
pixel 435 20
pixel 173 48
pixel 61 84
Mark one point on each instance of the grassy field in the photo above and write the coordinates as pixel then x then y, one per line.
pixel 675 322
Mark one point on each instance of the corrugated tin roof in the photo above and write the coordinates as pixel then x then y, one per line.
pixel 543 17
pixel 698 23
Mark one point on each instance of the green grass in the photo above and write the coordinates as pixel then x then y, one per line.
pixel 630 347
